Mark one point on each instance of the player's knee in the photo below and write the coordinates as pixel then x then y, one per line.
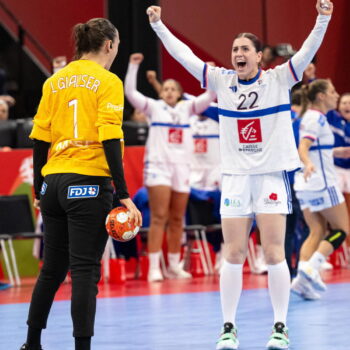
pixel 234 254
pixel 336 238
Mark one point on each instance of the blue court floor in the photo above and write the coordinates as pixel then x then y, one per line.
pixel 190 321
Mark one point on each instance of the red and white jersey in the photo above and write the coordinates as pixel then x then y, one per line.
pixel 314 126
pixel 206 147
pixel 256 134
pixel 170 135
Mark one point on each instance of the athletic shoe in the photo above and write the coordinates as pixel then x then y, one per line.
pixel 228 338
pixel 279 337
pixel 26 347
pixel 313 276
pixel 303 288
pixel 4 286
pixel 177 273
pixel 326 266
pixel 155 275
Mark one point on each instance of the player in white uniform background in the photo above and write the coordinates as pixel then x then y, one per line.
pixel 317 188
pixel 167 164
pixel 257 148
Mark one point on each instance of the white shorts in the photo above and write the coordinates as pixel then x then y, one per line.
pixel 343 176
pixel 246 195
pixel 173 175
pixel 206 179
pixel 319 200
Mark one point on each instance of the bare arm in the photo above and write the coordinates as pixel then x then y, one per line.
pixel 303 150
pixel 152 79
pixel 304 56
pixel 341 152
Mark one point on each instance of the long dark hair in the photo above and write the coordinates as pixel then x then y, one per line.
pixel 310 91
pixel 90 36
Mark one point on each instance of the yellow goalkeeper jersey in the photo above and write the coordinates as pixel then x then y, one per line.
pixel 81 106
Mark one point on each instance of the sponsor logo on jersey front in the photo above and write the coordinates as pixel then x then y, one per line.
pixel 249 130
pixel 175 135
pixel 200 145
pixel 84 191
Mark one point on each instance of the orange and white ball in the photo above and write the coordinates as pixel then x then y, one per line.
pixel 119 226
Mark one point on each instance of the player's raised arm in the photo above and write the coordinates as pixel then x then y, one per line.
pixel 304 56
pixel 181 52
pixel 136 99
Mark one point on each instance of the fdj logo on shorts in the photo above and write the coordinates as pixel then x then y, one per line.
pixel 87 191
pixel 249 131
pixel 43 188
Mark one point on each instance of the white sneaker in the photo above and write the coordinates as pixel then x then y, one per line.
pixel 228 339
pixel 326 266
pixel 303 288
pixel 177 273
pixel 313 276
pixel 279 338
pixel 155 275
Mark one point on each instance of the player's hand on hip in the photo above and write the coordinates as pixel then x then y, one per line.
pixel 308 171
pixel 153 13
pixel 135 214
pixel 136 58
pixel 324 7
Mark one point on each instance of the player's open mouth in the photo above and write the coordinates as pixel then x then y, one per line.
pixel 241 64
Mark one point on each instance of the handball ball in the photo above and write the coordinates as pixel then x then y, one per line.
pixel 119 226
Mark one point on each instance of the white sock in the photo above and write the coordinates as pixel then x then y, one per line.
pixel 317 260
pixel 173 260
pixel 154 260
pixel 302 264
pixel 231 278
pixel 279 289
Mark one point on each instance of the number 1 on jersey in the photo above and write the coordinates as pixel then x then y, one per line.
pixel 74 103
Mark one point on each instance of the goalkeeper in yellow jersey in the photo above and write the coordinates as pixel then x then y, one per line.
pixel 78 124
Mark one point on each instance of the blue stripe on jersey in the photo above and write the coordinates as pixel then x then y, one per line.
pixel 321 162
pixel 254 114
pixel 205 68
pixel 293 70
pixel 171 125
pixel 314 148
pixel 289 194
pixel 251 81
pixel 205 136
pixel 334 197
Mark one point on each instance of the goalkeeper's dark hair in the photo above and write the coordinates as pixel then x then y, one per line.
pixel 90 36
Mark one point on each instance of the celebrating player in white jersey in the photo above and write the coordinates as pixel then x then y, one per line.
pixel 317 189
pixel 167 164
pixel 257 147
